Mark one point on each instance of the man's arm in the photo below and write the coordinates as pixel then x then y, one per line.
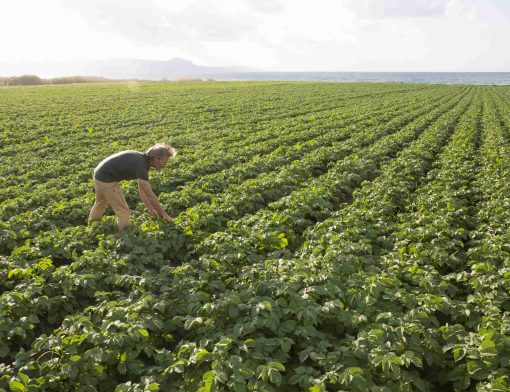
pixel 150 200
pixel 147 203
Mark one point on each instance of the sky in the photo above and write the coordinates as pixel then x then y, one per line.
pixel 267 35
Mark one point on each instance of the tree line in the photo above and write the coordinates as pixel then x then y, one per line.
pixel 33 80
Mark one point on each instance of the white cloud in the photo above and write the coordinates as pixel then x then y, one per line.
pixel 386 35
pixel 398 8
pixel 157 25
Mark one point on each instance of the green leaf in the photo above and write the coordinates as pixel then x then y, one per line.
pixel 75 358
pixel 283 241
pixel 287 327
pixel 420 384
pixel 220 376
pixel 276 365
pixel 4 350
pixel 24 378
pixel 391 366
pixel 153 387
pixel 487 344
pixel 233 310
pixel 34 319
pixel 473 367
pixel 263 370
pixel 459 353
pixel 275 377
pixel 499 385
pixel 239 386
pixel 296 378
pixel 286 344
pixel 417 361
pixel 317 388
pixel 202 355
pixel 458 373
pixel 16 386
pixel 121 367
pixel 143 332
pixel 477 370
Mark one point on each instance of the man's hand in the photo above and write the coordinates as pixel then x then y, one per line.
pixel 151 201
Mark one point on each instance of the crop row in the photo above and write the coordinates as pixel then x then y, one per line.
pixel 311 296
pixel 316 162
pixel 371 255
pixel 47 123
pixel 60 213
pixel 202 280
pixel 209 146
pixel 108 106
pixel 50 246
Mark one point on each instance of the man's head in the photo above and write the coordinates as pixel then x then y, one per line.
pixel 159 154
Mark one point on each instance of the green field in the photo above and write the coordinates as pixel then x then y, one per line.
pixel 327 237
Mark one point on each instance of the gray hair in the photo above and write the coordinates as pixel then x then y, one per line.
pixel 160 151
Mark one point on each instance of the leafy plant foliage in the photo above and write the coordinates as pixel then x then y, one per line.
pixel 327 237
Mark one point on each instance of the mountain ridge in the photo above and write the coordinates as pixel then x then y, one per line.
pixel 174 68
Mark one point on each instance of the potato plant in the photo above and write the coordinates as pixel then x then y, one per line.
pixel 327 237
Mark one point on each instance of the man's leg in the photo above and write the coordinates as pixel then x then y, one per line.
pixel 119 205
pixel 100 204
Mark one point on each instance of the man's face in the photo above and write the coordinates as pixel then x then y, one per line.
pixel 160 163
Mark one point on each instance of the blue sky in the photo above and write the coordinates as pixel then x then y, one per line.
pixel 282 35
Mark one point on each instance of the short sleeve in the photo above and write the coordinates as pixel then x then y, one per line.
pixel 142 174
pixel 142 170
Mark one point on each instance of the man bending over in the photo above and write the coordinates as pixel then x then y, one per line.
pixel 129 165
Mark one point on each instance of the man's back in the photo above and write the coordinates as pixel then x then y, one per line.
pixel 125 165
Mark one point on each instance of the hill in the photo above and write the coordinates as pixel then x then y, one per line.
pixel 120 69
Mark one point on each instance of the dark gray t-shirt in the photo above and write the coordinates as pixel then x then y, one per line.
pixel 125 165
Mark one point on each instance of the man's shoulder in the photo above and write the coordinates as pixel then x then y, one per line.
pixel 123 158
pixel 127 153
pixel 127 156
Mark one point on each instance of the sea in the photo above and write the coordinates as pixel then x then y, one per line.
pixel 480 78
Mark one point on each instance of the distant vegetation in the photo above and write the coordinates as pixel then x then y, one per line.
pixel 32 80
